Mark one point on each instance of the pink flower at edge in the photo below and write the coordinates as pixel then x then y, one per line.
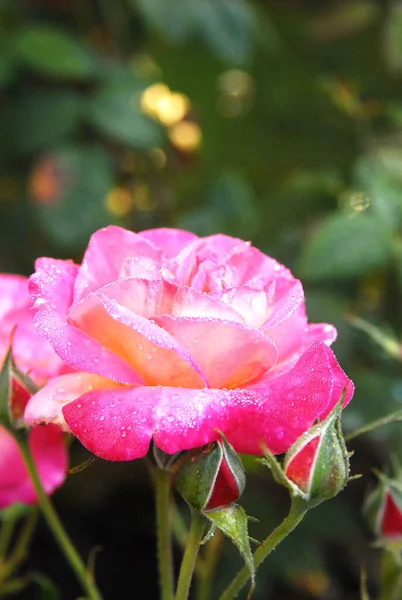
pixel 175 337
pixel 34 355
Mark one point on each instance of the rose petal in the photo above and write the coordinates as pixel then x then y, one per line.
pixel 145 268
pixel 52 288
pixel 144 297
pixel 108 248
pixel 49 453
pixel 287 323
pixel 295 399
pixel 119 424
pixel 252 304
pixel 228 353
pixel 45 406
pixel 169 241
pixel 154 353
pixel 320 331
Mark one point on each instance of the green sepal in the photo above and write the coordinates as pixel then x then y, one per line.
pixel 232 521
pixel 196 477
pixel 278 474
pixel 5 391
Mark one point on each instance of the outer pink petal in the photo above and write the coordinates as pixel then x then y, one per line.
pixel 155 354
pixel 169 241
pixel 45 406
pixel 108 248
pixel 48 450
pixel 119 424
pixel 31 352
pixel 229 353
pixel 52 288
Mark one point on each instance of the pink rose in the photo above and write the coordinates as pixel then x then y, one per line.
pixel 34 355
pixel 178 336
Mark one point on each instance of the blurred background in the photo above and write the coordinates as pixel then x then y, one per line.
pixel 277 121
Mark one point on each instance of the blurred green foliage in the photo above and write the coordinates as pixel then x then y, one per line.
pixel 276 121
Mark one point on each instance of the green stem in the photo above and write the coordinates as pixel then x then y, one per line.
pixel 164 536
pixel 205 570
pixel 297 511
pixel 392 418
pixel 54 523
pixel 190 555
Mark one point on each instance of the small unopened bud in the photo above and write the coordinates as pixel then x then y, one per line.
pixel 383 510
pixel 318 462
pixel 211 477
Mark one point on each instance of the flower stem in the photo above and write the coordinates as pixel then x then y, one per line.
pixel 190 555
pixel 297 511
pixel 54 523
pixel 164 536
pixel 387 420
pixel 206 569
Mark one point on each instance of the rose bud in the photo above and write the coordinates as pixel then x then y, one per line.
pixel 318 462
pixel 212 477
pixel 383 510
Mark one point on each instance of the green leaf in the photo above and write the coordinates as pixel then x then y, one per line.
pixel 53 52
pixel 7 71
pixel 379 175
pixel 229 206
pixel 78 208
pixel 42 119
pixel 173 18
pixel 345 247
pixel 393 37
pixel 44 587
pixel 115 112
pixel 226 26
pixel 232 521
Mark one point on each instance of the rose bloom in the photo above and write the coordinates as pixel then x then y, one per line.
pixel 34 355
pixel 176 336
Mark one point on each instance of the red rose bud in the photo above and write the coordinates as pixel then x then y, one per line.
pixel 383 509
pixel 212 477
pixel 20 395
pixel 318 463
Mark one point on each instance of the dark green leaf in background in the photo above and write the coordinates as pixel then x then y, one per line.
pixel 345 246
pixel 226 26
pixel 53 52
pixel 43 119
pixel 115 112
pixel 85 175
pixel 393 37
